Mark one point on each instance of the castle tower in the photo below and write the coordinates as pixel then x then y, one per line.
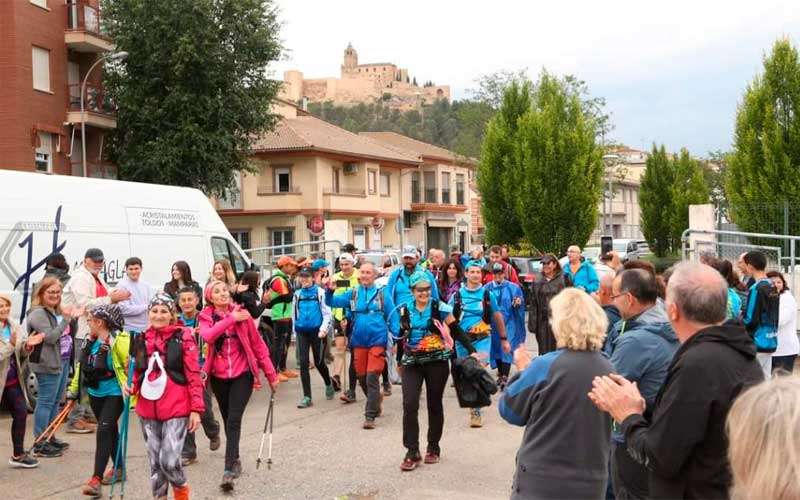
pixel 350 59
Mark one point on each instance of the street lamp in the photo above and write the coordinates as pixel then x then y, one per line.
pixel 609 160
pixel 114 56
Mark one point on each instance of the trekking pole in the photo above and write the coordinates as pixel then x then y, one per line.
pixel 59 419
pixel 122 445
pixel 267 425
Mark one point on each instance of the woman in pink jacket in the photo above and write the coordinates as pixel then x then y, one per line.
pixel 236 353
pixel 170 394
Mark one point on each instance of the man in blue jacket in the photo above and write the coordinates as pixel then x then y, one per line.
pixel 641 351
pixel 581 271
pixel 369 309
pixel 399 287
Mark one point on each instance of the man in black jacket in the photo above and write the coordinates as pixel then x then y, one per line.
pixel 683 444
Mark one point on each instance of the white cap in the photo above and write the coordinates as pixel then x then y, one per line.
pixel 410 251
pixel 346 257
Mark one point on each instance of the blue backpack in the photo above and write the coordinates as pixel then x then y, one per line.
pixel 308 312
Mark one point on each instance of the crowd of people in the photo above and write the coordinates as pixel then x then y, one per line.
pixel 637 373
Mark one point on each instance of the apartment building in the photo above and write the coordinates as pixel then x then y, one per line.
pixel 46 49
pixel 620 213
pixel 437 199
pixel 317 181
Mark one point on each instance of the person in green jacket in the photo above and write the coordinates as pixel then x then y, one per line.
pixel 102 370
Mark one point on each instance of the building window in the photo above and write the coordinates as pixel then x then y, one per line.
pixel 315 248
pixel 372 180
pixel 283 180
pixel 335 184
pixel 459 189
pixel 446 188
pixel 385 181
pixel 415 187
pixel 282 237
pixel 242 237
pixel 41 69
pixel 44 152
pixel 430 186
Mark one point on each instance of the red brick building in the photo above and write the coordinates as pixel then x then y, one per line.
pixel 46 49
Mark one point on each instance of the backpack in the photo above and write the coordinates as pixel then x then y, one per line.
pixel 354 302
pixel 486 304
pixel 174 355
pixel 405 320
pixel 307 313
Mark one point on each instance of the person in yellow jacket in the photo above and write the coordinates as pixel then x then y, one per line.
pixel 102 370
pixel 344 280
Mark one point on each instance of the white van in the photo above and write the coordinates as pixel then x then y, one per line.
pixel 43 214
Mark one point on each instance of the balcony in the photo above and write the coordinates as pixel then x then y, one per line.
pixel 270 191
pixel 99 109
pixel 84 30
pixel 354 193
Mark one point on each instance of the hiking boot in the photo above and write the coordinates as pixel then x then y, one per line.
pixel 23 461
pixel 329 392
pixel 111 476
pixel 236 470
pixel 45 450
pixel 502 382
pixel 348 397
pixel 387 390
pixel 181 492
pixel 369 423
pixel 187 461
pixel 58 444
pixel 282 377
pixel 214 443
pixel 431 457
pixel 227 481
pixel 305 402
pixel 92 488
pixel 290 373
pixel 410 462
pixel 80 427
pixel 336 382
pixel 475 419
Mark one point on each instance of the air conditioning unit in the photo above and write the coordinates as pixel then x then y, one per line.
pixel 350 168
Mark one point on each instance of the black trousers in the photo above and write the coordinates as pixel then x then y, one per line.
pixel 107 410
pixel 232 398
pixel 783 363
pixel 434 374
pixel 280 349
pixel 630 478
pixel 503 369
pixel 306 341
pixel 210 427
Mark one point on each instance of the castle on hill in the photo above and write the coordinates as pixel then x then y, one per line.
pixel 364 83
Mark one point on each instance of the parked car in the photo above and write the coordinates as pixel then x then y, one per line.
pixel 380 258
pixel 591 253
pixel 527 269
pixel 627 249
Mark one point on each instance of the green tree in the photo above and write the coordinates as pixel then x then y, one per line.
pixel 496 173
pixel 764 167
pixel 557 168
pixel 193 90
pixel 688 188
pixel 655 201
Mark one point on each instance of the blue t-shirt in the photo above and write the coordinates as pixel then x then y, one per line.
pixel 420 336
pixel 11 376
pixel 107 387
pixel 472 306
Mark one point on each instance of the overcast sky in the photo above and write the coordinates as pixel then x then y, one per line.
pixel 671 71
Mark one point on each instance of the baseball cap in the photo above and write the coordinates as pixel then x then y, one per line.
pixel 346 257
pixel 95 254
pixel 409 251
pixel 497 268
pixel 319 264
pixel 305 271
pixel 286 260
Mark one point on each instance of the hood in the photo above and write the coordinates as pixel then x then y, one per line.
pixel 208 312
pixel 730 333
pixel 654 320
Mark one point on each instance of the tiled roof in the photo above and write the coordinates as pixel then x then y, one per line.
pixel 307 133
pixel 410 146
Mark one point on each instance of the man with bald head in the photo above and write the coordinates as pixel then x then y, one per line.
pixel 681 438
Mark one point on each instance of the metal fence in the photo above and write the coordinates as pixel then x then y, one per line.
pixel 266 257
pixel 779 218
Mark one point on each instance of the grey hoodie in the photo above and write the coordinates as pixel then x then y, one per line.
pixel 42 320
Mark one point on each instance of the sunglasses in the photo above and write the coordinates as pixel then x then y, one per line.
pixel 422 289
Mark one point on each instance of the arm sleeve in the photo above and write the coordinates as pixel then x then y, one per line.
pixel 6 350
pixel 389 311
pixel 390 285
pixel 294 312
pixel 39 322
pixel 458 334
pixel 122 345
pixel 678 425
pixel 339 299
pixel 210 332
pixel 517 403
pixel 434 287
pixel 82 295
pixel 326 311
pixel 254 306
pixel 261 352
pixel 628 358
pixel 129 308
pixel 750 311
pixel 594 282
pixel 788 309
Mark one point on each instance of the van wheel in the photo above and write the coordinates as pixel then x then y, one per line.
pixel 31 388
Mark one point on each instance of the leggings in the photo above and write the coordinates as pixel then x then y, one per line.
pixel 107 410
pixel 306 341
pixel 232 397
pixel 164 440
pixel 14 401
pixel 434 374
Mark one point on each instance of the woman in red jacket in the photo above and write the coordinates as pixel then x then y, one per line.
pixel 236 352
pixel 170 394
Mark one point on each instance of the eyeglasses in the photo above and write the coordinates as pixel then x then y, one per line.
pixel 619 295
pixel 422 289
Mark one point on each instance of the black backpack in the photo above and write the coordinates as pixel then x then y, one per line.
pixel 486 303
pixel 174 356
pixel 405 320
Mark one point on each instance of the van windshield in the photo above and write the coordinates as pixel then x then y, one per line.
pixel 224 249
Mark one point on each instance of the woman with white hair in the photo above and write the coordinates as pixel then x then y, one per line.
pixel 565 448
pixel 763 447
